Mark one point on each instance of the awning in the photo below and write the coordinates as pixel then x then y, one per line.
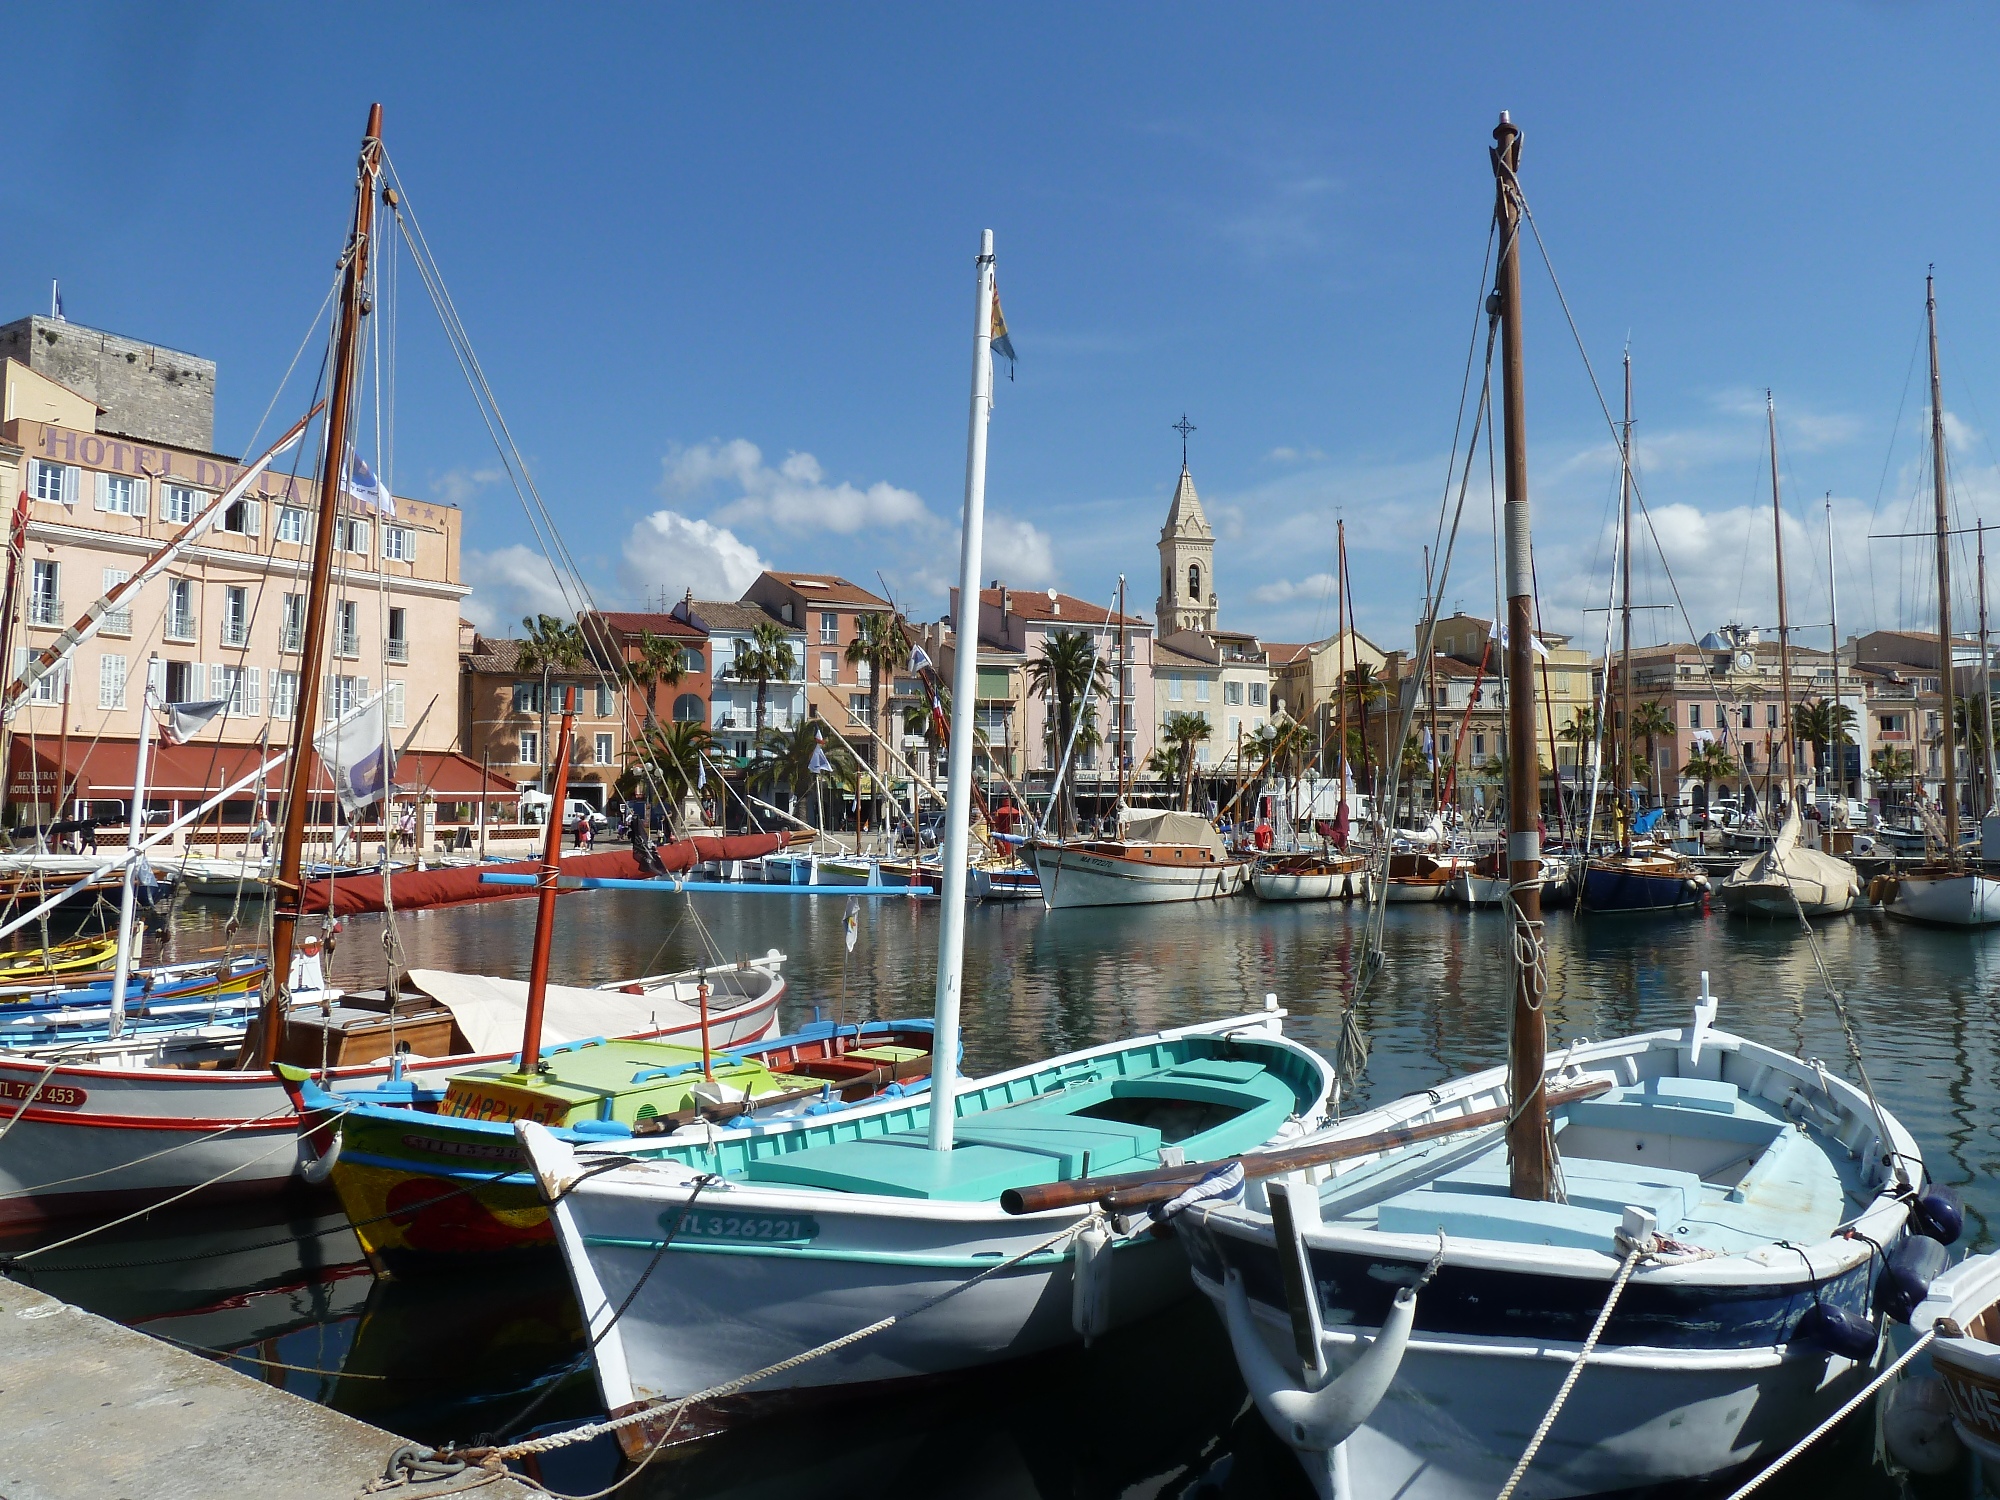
pixel 103 768
pixel 449 777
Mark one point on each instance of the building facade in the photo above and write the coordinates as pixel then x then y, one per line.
pixel 823 610
pixel 511 717
pixel 729 629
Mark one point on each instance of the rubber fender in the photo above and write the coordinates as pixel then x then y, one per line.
pixel 1320 1420
pixel 1838 1331
pixel 316 1169
pixel 1938 1212
pixel 1916 1425
pixel 1907 1274
pixel 1090 1286
pixel 601 1129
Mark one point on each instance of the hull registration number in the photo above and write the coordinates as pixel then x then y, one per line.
pixel 762 1229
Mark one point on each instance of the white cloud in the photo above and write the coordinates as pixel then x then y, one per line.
pixel 456 486
pixel 794 496
pixel 507 584
pixel 1018 551
pixel 1283 591
pixel 672 552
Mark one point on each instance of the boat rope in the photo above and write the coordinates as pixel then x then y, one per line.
pixel 1632 1259
pixel 670 1410
pixel 1840 1414
pixel 223 1356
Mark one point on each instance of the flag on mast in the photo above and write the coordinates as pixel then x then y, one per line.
pixel 186 720
pixel 356 755
pixel 1002 345
pixel 361 486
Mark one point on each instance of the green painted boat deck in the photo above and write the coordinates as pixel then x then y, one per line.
pixel 626 1081
pixel 1719 1172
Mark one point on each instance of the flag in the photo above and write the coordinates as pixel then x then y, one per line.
pixel 851 926
pixel 1535 641
pixel 819 764
pixel 55 290
pixel 186 720
pixel 361 486
pixel 1002 345
pixel 919 662
pixel 701 773
pixel 359 763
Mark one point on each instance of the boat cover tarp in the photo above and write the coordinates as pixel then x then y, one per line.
pixel 416 890
pixel 1816 877
pixel 492 1011
pixel 1142 825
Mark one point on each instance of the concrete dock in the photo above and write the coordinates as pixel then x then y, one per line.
pixel 92 1409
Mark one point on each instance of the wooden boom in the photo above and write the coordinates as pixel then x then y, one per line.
pixel 1129 1190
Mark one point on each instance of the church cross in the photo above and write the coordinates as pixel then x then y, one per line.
pixel 1183 427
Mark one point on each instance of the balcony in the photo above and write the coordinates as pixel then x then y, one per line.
pixel 180 625
pixel 235 632
pixel 293 639
pixel 44 609
pixel 347 646
pixel 395 650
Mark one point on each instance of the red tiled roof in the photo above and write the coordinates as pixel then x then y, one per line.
pixel 1035 604
pixel 630 622
pixel 826 588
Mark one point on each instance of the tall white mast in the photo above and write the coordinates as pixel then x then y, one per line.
pixel 134 827
pixel 964 688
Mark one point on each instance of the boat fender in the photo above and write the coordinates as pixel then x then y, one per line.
pixel 1907 1274
pixel 1838 1331
pixel 1938 1212
pixel 1321 1420
pixel 316 1169
pixel 1916 1425
pixel 598 1130
pixel 1090 1287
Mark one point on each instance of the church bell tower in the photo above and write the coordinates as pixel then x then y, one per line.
pixel 1187 557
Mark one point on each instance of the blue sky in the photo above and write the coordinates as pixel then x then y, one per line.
pixel 718 264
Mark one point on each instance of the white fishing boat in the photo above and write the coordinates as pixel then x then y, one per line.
pixel 1638 1264
pixel 1309 877
pixel 226 879
pixel 1157 857
pixel 783 1236
pixel 1945 1406
pixel 1419 878
pixel 1788 879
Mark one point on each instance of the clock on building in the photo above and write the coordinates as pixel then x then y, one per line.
pixel 1745 662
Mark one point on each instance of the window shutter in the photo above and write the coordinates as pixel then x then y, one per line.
pixel 140 489
pixel 409 544
pixel 103 500
pixel 252 690
pixel 253 517
pixel 361 537
pixel 218 681
pixel 156 678
pixel 72 485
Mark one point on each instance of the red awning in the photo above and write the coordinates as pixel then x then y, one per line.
pixel 103 768
pixel 449 777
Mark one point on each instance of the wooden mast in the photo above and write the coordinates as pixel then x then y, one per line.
pixel 1528 1166
pixel 1791 760
pixel 1625 655
pixel 1950 746
pixel 299 773
pixel 545 904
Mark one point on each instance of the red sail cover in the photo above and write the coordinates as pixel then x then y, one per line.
pixel 415 890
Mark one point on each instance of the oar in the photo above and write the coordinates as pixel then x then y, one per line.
pixel 1130 1190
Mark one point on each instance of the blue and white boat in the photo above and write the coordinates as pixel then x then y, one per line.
pixel 1640 882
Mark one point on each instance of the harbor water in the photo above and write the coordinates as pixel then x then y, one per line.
pixel 1155 1410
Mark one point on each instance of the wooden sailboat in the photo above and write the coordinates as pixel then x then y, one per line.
pixel 795 1233
pixel 1787 879
pixel 1945 891
pixel 1406 1292
pixel 1635 879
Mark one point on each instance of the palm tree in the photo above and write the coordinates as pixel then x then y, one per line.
pixel 1181 732
pixel 1653 721
pixel 669 757
pixel 1364 688
pixel 1892 765
pixel 1709 763
pixel 765 658
pixel 787 763
pixel 658 661
pixel 1824 724
pixel 1580 732
pixel 1068 670
pixel 553 645
pixel 880 645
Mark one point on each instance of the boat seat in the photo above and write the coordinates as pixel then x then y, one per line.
pixel 1610 1186
pixel 903 1166
pixel 886 1054
pixel 1484 1216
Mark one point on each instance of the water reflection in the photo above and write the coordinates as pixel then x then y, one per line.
pixel 1155 1410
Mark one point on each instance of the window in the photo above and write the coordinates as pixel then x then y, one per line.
pixel 394 704
pixel 829 666
pixel 1478 748
pixel 180 609
pixel 1930 723
pixel 45 594
pixel 177 503
pixel 120 495
pixel 56 482
pixel 1257 694
pixel 1173 687
pixel 527 697
pixel 238 685
pixel 1770 716
pixel 50 687
pixel 110 681
pixel 347 628
pixel 829 630
pixel 244 518
pixel 397 646
pixel 691 660
pixel 1694 716
pixel 1930 684
pixel 183 686
pixel 235 616
pixel 344 694
pixel 605 704
pixel 1201 690
pixel 291 525
pixel 864 674
pixel 399 544
pixel 603 749
pixel 858 708
pixel 293 637
pixel 350 535
pixel 116 621
pixel 1746 716
pixel 284 694
pixel 1232 692
pixel 687 709
pixel 531 748
pixel 1235 726
pixel 1194 583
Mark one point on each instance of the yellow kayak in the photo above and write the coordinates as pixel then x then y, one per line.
pixel 59 958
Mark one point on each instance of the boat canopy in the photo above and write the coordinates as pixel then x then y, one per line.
pixel 490 1012
pixel 1142 825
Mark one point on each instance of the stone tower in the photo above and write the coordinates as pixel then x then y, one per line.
pixel 1187 564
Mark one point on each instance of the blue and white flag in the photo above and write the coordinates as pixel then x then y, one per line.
pixel 354 751
pixel 919 662
pixel 361 486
